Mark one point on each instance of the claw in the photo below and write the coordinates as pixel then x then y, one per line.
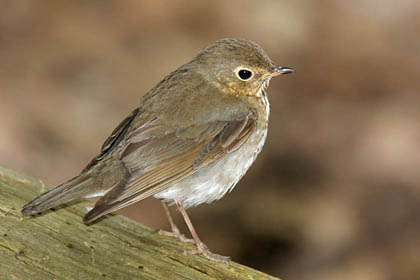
pixel 176 234
pixel 203 250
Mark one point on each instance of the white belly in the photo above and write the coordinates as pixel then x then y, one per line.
pixel 214 181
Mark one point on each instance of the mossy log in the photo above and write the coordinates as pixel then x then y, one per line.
pixel 58 245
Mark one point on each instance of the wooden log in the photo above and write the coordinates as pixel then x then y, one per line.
pixel 58 245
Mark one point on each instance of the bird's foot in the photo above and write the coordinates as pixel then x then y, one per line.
pixel 176 234
pixel 203 250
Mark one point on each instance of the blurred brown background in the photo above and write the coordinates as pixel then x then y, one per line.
pixel 335 192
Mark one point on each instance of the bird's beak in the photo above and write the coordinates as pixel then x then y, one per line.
pixel 280 70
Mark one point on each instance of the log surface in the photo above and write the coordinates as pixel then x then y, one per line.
pixel 58 245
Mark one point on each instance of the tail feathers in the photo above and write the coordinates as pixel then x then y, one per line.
pixel 70 190
pixel 97 212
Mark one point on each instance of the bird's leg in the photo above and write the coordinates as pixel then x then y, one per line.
pixel 175 232
pixel 201 247
pixel 174 228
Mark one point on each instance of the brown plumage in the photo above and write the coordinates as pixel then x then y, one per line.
pixel 191 139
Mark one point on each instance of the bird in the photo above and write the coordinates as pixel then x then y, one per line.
pixel 190 140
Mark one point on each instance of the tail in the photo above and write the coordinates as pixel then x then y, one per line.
pixel 70 190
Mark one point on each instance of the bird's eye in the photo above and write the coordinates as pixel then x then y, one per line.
pixel 244 74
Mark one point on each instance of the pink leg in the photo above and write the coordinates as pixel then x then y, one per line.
pixel 201 247
pixel 175 232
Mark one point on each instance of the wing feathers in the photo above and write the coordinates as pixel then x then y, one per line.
pixel 163 157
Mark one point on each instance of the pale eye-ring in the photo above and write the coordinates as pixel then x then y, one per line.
pixel 244 74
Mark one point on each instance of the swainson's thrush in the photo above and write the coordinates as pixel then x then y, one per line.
pixel 193 136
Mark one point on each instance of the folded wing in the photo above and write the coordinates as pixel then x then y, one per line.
pixel 157 156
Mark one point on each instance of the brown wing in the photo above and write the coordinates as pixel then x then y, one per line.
pixel 116 136
pixel 157 157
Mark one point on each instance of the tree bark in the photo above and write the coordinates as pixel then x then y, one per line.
pixel 58 245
